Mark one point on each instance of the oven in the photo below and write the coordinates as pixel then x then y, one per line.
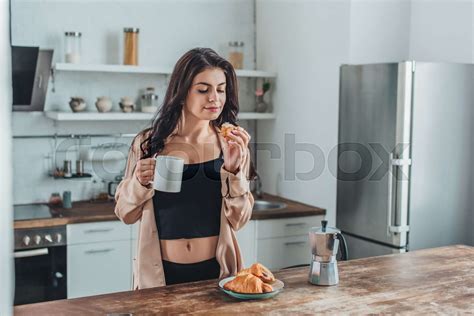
pixel 40 264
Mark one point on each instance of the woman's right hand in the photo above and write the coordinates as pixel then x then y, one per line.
pixel 145 170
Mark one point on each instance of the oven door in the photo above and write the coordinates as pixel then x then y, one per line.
pixel 40 275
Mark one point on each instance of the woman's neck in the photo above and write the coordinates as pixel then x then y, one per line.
pixel 194 130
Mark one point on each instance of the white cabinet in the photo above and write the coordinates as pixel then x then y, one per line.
pixel 246 238
pixel 281 252
pixel 98 258
pixel 97 232
pixel 284 242
pixel 283 227
pixel 98 268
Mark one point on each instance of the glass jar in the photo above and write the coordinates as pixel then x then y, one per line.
pixel 236 54
pixel 72 47
pixel 67 169
pixel 149 101
pixel 130 46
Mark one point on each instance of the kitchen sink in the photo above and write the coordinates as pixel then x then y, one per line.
pixel 261 205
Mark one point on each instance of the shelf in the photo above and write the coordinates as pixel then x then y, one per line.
pixel 74 177
pixel 97 116
pixel 119 116
pixel 148 70
pixel 112 68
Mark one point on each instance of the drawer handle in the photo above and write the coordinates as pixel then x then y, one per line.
pixel 295 224
pixel 100 230
pixel 92 252
pixel 295 243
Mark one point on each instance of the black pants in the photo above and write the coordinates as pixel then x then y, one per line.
pixel 181 273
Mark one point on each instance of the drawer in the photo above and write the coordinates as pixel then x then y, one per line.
pixel 283 227
pixel 98 268
pixel 97 232
pixel 278 253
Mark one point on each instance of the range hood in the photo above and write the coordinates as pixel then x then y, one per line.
pixel 31 68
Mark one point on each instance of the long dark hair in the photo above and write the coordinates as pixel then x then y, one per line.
pixel 167 118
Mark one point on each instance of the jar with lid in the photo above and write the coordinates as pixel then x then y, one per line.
pixel 130 46
pixel 72 47
pixel 149 101
pixel 236 54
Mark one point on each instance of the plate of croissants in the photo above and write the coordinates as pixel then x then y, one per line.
pixel 256 282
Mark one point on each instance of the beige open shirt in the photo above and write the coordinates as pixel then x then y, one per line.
pixel 135 203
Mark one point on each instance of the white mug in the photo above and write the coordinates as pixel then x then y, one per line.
pixel 168 174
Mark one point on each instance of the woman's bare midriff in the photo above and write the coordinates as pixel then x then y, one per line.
pixel 189 250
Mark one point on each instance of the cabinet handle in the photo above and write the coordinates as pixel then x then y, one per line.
pixel 91 252
pixel 295 224
pixel 99 230
pixel 295 243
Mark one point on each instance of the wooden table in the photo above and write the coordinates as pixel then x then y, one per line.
pixel 439 280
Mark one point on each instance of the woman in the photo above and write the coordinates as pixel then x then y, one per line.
pixel 190 235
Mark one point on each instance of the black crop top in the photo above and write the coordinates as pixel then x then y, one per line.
pixel 195 210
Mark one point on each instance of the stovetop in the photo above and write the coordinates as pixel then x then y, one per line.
pixel 37 237
pixel 31 211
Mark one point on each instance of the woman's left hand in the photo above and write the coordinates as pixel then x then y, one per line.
pixel 235 147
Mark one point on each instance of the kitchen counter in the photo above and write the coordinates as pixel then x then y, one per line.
pixel 85 211
pixel 439 280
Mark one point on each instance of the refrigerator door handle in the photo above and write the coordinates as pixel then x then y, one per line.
pixel 390 194
pixel 394 163
pixel 400 162
pixel 399 229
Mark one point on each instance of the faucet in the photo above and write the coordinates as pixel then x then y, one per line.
pixel 257 190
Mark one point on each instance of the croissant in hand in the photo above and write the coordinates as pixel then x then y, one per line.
pixel 248 284
pixel 260 271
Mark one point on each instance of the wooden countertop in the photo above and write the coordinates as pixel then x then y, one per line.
pixel 85 211
pixel 81 212
pixel 439 280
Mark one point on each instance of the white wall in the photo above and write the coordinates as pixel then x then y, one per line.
pixel 6 217
pixel 379 31
pixel 167 29
pixel 305 42
pixel 442 31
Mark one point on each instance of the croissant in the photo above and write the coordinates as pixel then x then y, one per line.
pixel 249 284
pixel 226 128
pixel 260 271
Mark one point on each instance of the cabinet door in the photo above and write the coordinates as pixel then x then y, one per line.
pixel 284 227
pixel 278 253
pixel 246 239
pixel 98 268
pixel 84 233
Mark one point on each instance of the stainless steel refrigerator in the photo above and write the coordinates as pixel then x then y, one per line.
pixel 405 156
